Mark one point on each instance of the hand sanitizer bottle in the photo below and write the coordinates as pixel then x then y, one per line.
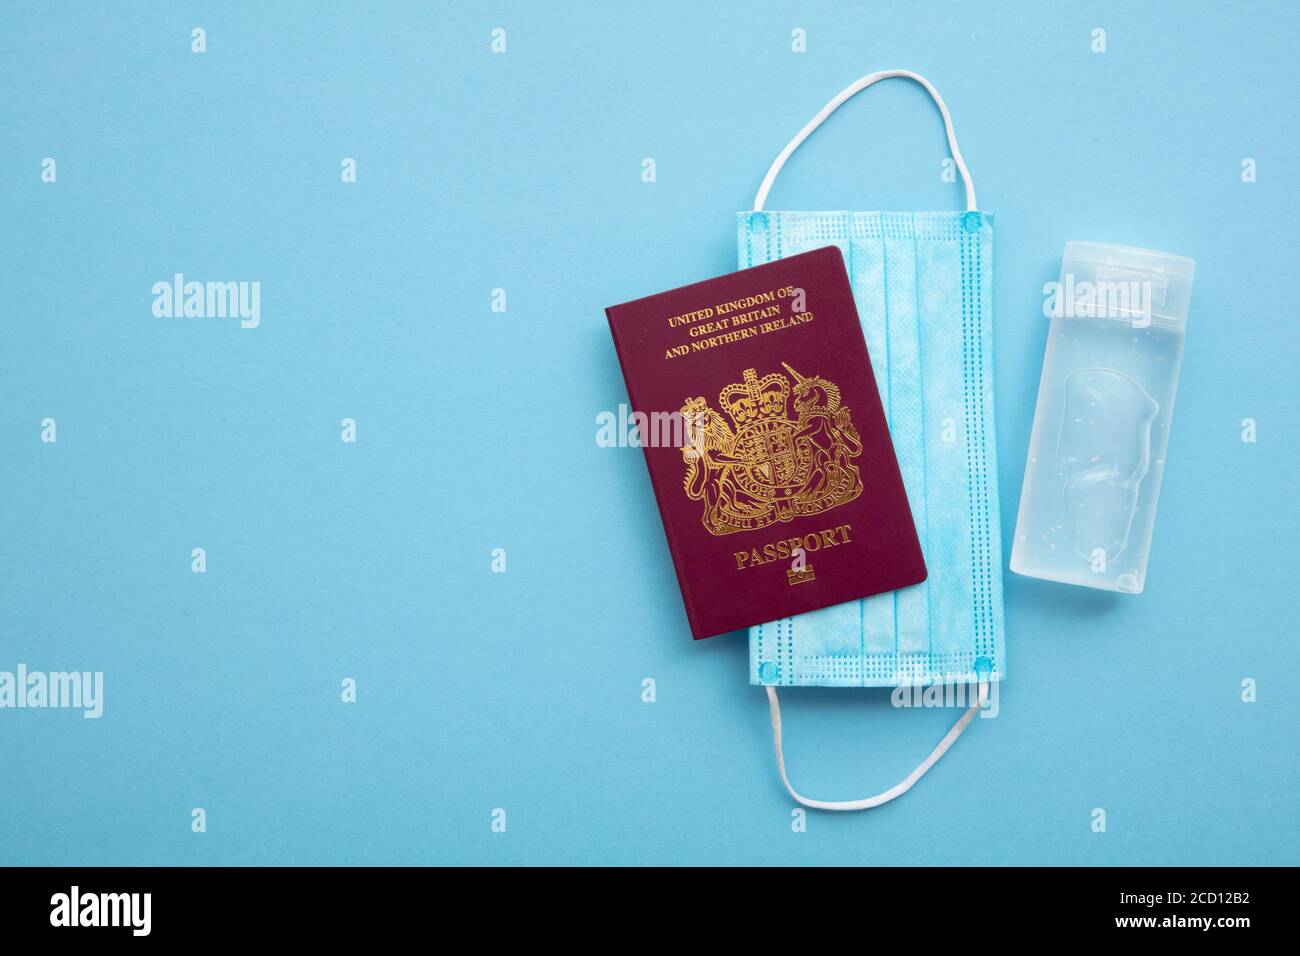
pixel 1105 402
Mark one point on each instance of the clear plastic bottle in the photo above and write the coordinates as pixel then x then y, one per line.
pixel 1101 426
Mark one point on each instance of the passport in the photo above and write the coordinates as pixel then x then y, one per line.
pixel 753 398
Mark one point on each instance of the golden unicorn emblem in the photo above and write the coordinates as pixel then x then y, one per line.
pixel 763 466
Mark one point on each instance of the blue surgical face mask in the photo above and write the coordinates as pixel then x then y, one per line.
pixel 923 285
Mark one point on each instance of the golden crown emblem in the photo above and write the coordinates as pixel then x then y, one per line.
pixel 771 466
pixel 755 398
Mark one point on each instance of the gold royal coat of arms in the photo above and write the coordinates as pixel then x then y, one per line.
pixel 765 466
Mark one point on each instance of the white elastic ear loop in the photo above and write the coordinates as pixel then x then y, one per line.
pixel 898 789
pixel 834 104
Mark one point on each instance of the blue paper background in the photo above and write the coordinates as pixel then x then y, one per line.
pixel 477 431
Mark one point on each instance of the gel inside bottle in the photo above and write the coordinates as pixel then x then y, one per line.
pixel 1101 427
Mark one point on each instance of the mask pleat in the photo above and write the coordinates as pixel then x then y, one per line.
pixel 878 638
pixel 906 412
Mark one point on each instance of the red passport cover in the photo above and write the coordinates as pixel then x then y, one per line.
pixel 767 445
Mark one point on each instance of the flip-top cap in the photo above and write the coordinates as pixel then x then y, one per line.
pixel 1141 286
